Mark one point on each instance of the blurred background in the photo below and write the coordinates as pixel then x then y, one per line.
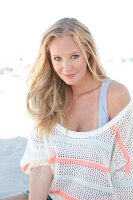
pixel 22 24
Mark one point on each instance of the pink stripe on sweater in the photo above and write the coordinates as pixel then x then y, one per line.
pixel 63 194
pixel 79 162
pixel 123 148
pixel 24 168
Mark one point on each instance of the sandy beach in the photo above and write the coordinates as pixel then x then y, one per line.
pixel 12 179
pixel 16 125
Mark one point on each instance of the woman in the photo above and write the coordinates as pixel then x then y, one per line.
pixel 80 147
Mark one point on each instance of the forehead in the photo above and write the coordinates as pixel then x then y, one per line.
pixel 63 44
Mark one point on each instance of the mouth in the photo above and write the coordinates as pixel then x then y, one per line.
pixel 69 75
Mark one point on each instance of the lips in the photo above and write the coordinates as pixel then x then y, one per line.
pixel 69 75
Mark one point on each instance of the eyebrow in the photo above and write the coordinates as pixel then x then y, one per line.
pixel 70 54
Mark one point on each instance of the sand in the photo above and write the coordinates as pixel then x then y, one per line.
pixel 12 179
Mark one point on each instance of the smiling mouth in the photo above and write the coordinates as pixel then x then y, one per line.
pixel 69 75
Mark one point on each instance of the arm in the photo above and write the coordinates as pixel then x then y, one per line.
pixel 40 181
pixel 35 162
pixel 121 165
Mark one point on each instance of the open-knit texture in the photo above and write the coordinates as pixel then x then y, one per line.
pixel 93 165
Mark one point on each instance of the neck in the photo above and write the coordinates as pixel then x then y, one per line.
pixel 87 86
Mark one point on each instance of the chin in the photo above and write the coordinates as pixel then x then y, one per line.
pixel 70 83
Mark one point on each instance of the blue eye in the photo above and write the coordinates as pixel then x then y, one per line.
pixel 75 56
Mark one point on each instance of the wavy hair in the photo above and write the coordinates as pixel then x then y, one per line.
pixel 48 97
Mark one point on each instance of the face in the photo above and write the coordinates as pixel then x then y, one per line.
pixel 68 60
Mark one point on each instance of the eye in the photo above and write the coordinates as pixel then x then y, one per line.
pixel 57 58
pixel 75 56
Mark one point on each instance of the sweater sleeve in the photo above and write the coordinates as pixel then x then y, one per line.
pixel 121 165
pixel 37 152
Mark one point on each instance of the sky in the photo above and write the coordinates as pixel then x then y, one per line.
pixel 23 22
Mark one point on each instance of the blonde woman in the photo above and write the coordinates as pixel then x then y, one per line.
pixel 80 147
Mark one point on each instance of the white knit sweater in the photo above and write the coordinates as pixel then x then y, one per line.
pixel 94 165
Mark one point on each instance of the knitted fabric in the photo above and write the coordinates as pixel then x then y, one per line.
pixel 94 165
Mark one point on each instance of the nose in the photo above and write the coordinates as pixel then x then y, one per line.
pixel 66 64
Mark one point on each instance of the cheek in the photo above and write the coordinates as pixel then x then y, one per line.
pixel 85 63
pixel 82 64
pixel 57 68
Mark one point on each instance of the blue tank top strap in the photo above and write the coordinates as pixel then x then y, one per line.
pixel 103 111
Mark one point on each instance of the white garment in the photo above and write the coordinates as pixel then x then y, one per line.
pixel 94 165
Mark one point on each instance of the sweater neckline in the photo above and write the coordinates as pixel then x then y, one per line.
pixel 99 130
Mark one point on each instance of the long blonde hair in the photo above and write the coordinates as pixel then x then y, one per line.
pixel 48 97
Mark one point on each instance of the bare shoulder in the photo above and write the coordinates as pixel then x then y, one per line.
pixel 118 98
